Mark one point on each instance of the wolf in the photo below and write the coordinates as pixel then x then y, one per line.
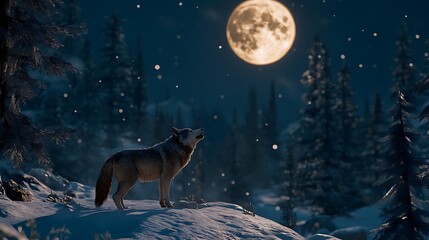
pixel 162 162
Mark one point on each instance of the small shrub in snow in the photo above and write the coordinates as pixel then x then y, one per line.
pixel 53 197
pixel 190 202
pixel 248 208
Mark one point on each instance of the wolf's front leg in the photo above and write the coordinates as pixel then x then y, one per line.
pixel 167 183
pixel 161 194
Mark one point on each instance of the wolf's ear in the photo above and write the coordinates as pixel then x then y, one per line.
pixel 175 131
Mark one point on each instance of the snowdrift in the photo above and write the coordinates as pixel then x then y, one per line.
pixel 144 220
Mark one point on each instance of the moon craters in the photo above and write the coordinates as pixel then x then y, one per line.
pixel 260 31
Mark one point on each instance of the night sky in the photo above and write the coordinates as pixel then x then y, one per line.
pixel 187 40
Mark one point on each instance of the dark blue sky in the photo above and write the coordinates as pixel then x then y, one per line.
pixel 184 40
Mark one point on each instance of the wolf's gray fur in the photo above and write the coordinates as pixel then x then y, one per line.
pixel 162 162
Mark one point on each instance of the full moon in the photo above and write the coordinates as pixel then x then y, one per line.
pixel 260 32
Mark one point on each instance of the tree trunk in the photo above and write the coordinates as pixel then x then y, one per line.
pixel 4 27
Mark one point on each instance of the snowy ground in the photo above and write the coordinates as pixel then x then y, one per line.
pixel 144 220
pixel 367 218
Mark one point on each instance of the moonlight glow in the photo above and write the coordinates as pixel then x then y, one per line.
pixel 260 31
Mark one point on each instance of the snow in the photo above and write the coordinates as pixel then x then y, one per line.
pixel 322 237
pixel 366 217
pixel 144 220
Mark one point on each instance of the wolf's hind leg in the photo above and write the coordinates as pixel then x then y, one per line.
pixel 123 188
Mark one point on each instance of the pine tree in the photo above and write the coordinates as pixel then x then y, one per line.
pixel 27 38
pixel 199 175
pixel 318 165
pixel 117 79
pixel 305 134
pixel 179 119
pixel 289 184
pixel 70 16
pixel 250 147
pixel 138 116
pixel 405 213
pixel 403 74
pixel 65 91
pixel 422 89
pixel 160 122
pixel 270 135
pixel 352 169
pixel 236 184
pixel 375 147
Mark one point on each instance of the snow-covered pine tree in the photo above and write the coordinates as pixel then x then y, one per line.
pixel 69 105
pixel 28 40
pixel 352 170
pixel 374 152
pixel 305 134
pixel 404 212
pixel 422 89
pixel 116 81
pixel 318 170
pixel 87 122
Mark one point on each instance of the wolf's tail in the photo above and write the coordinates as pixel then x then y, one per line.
pixel 104 182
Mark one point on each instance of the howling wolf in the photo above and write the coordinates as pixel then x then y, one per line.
pixel 162 162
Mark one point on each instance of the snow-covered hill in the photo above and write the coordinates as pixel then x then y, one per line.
pixel 144 220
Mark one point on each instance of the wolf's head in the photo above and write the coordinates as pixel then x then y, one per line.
pixel 188 137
